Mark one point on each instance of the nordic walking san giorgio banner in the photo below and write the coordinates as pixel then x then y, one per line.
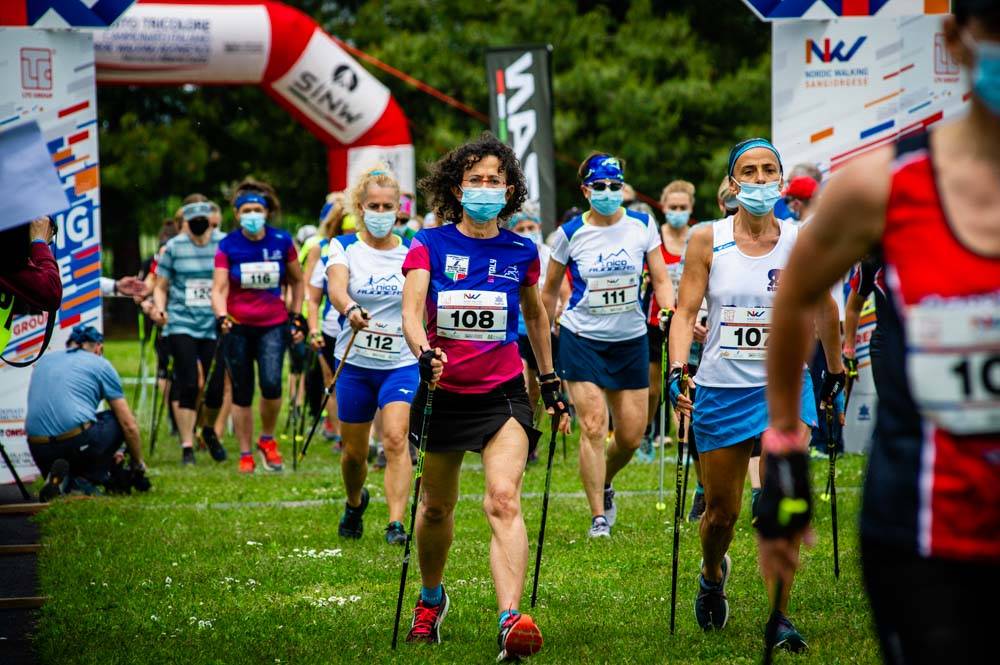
pixel 520 79
pixel 48 77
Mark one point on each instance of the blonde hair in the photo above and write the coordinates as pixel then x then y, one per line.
pixel 331 224
pixel 379 175
pixel 723 192
pixel 682 186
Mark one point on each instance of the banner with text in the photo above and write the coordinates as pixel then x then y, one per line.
pixel 520 79
pixel 48 77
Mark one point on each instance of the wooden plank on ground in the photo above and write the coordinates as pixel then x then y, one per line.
pixel 19 549
pixel 22 508
pixel 26 602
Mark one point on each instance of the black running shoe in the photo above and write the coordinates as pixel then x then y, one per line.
pixel 395 534
pixel 711 607
pixel 57 482
pixel 351 524
pixel 215 448
pixel 187 455
pixel 697 507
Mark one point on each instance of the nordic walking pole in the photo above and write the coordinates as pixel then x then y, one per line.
pixel 687 472
pixel 660 503
pixel 157 413
pixel 418 474
pixel 771 631
pixel 682 436
pixel 564 446
pixel 545 509
pixel 142 360
pixel 326 395
pixel 831 449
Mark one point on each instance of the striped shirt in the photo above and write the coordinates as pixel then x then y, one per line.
pixel 189 269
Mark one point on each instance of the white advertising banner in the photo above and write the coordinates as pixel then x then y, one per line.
pixel 331 89
pixel 48 77
pixel 399 159
pixel 843 88
pixel 185 44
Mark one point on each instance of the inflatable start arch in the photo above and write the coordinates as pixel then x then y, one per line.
pixel 305 70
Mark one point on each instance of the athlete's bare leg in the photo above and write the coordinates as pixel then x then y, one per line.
pixel 354 460
pixel 592 415
pixel 435 526
pixel 398 470
pixel 723 472
pixel 628 409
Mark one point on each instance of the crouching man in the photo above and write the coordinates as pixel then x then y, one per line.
pixel 72 444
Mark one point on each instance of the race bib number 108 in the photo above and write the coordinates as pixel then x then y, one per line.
pixel 953 362
pixel 472 315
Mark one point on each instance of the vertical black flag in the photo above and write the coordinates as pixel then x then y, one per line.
pixel 520 80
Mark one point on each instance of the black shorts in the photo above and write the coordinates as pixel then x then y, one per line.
pixel 528 354
pixel 930 610
pixel 467 421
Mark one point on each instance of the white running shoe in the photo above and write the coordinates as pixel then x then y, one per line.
pixel 599 528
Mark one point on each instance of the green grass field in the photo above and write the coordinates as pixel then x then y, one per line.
pixel 210 567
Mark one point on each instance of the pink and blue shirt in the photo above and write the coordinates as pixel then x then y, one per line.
pixel 257 269
pixel 473 302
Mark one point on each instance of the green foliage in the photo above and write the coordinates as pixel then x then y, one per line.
pixel 669 85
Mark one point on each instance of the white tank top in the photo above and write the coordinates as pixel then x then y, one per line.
pixel 741 290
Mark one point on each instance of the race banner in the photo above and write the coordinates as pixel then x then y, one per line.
pixel 520 79
pixel 48 77
pixel 784 10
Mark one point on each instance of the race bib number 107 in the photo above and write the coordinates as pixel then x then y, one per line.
pixel 473 315
pixel 743 332
pixel 953 362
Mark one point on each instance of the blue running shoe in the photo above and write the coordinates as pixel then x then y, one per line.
pixel 711 608
pixel 788 637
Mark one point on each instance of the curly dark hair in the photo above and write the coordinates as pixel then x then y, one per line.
pixel 251 184
pixel 448 172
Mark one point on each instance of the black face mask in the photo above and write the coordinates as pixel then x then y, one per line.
pixel 198 225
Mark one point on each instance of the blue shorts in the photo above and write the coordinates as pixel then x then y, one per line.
pixel 609 365
pixel 724 417
pixel 362 391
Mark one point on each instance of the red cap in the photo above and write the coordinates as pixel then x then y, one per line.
pixel 801 187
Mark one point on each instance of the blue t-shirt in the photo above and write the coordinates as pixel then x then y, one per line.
pixel 65 389
pixel 256 272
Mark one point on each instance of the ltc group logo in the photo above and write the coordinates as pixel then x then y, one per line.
pixel 36 72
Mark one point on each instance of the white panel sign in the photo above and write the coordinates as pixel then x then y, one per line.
pixel 399 159
pixel 330 88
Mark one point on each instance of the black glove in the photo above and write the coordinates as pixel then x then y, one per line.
pixel 785 504
pixel 424 363
pixel 297 323
pixel 552 395
pixel 139 480
pixel 833 385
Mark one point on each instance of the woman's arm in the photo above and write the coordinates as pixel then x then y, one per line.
pixel 694 283
pixel 415 288
pixel 337 276
pixel 296 284
pixel 553 284
pixel 536 321
pixel 662 287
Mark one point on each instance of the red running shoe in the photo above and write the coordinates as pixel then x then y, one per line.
pixel 519 638
pixel 269 454
pixel 247 464
pixel 426 626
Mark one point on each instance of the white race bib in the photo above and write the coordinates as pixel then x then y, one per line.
pixel 260 275
pixel 198 293
pixel 475 315
pixel 744 332
pixel 613 294
pixel 380 341
pixel 953 362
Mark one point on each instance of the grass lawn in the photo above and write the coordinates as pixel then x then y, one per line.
pixel 210 567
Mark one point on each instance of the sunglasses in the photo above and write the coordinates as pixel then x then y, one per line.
pixel 601 186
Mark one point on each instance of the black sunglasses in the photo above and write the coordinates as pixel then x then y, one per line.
pixel 601 186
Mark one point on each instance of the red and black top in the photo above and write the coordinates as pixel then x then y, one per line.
pixel 933 485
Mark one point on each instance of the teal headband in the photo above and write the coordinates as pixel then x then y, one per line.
pixel 750 144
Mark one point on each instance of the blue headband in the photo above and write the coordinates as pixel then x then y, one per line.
pixel 603 167
pixel 250 197
pixel 194 210
pixel 85 333
pixel 750 144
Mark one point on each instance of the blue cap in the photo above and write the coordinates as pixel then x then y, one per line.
pixel 603 167
pixel 750 144
pixel 84 333
pixel 195 210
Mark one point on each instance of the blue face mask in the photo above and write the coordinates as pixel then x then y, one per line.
pixel 678 218
pixel 759 199
pixel 379 224
pixel 606 202
pixel 533 236
pixel 483 204
pixel 253 222
pixel 986 73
